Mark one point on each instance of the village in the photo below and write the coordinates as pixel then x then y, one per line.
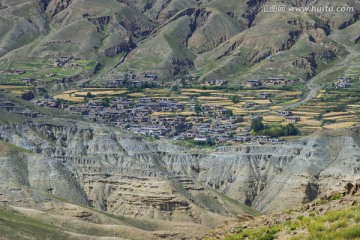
pixel 208 123
pixel 207 112
pixel 168 117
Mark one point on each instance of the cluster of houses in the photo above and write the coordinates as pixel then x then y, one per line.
pixel 217 83
pixel 252 83
pixel 50 103
pixel 135 80
pixel 16 71
pixel 66 61
pixel 271 81
pixel 28 81
pixel 275 81
pixel 343 82
pixel 162 117
pixel 142 116
pixel 288 116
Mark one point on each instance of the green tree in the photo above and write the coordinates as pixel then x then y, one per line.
pixel 229 113
pixel 89 95
pixel 197 108
pixel 257 125
pixel 290 130
pixel 105 102
pixel 274 130
pixel 183 82
pixel 174 88
pixel 252 132
pixel 235 98
pixel 59 101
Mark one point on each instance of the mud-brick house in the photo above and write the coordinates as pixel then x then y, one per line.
pixel 252 83
pixel 284 113
pixel 292 119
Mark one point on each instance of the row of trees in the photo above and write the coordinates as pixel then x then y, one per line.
pixel 274 130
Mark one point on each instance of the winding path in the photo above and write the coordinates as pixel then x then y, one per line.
pixel 314 85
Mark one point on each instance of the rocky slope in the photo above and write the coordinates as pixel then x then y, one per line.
pixel 175 37
pixel 124 174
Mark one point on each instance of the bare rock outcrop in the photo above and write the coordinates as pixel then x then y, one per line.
pixel 124 174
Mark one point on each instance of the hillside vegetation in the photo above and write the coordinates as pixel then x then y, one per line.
pixel 232 39
pixel 332 217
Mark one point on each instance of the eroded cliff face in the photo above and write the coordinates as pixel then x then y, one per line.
pixel 127 175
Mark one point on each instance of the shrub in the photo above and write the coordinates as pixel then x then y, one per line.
pixel 352 233
pixel 340 224
pixel 235 98
pixel 336 196
pixel 257 125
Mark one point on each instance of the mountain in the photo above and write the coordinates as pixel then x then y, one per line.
pixel 64 177
pixel 210 39
pixel 95 176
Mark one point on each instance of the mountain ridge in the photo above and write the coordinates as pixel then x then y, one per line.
pixel 197 36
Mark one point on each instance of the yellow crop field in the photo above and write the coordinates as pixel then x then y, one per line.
pixel 136 95
pixel 153 90
pixel 313 109
pixel 233 108
pixel 13 87
pixel 291 101
pixel 341 125
pixel 268 90
pixel 261 101
pixel 305 113
pixel 173 97
pixel 289 93
pixel 332 114
pixel 275 107
pixel 212 98
pixel 97 93
pixel 239 104
pixel 162 114
pixel 103 89
pixel 252 111
pixel 341 117
pixel 216 103
pixel 223 94
pixel 316 128
pixel 69 98
pixel 201 90
pixel 17 92
pixel 273 118
pixel 70 91
pixel 190 93
pixel 311 122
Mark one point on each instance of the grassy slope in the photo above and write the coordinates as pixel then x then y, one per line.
pixel 333 217
pixel 16 226
pixel 343 224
